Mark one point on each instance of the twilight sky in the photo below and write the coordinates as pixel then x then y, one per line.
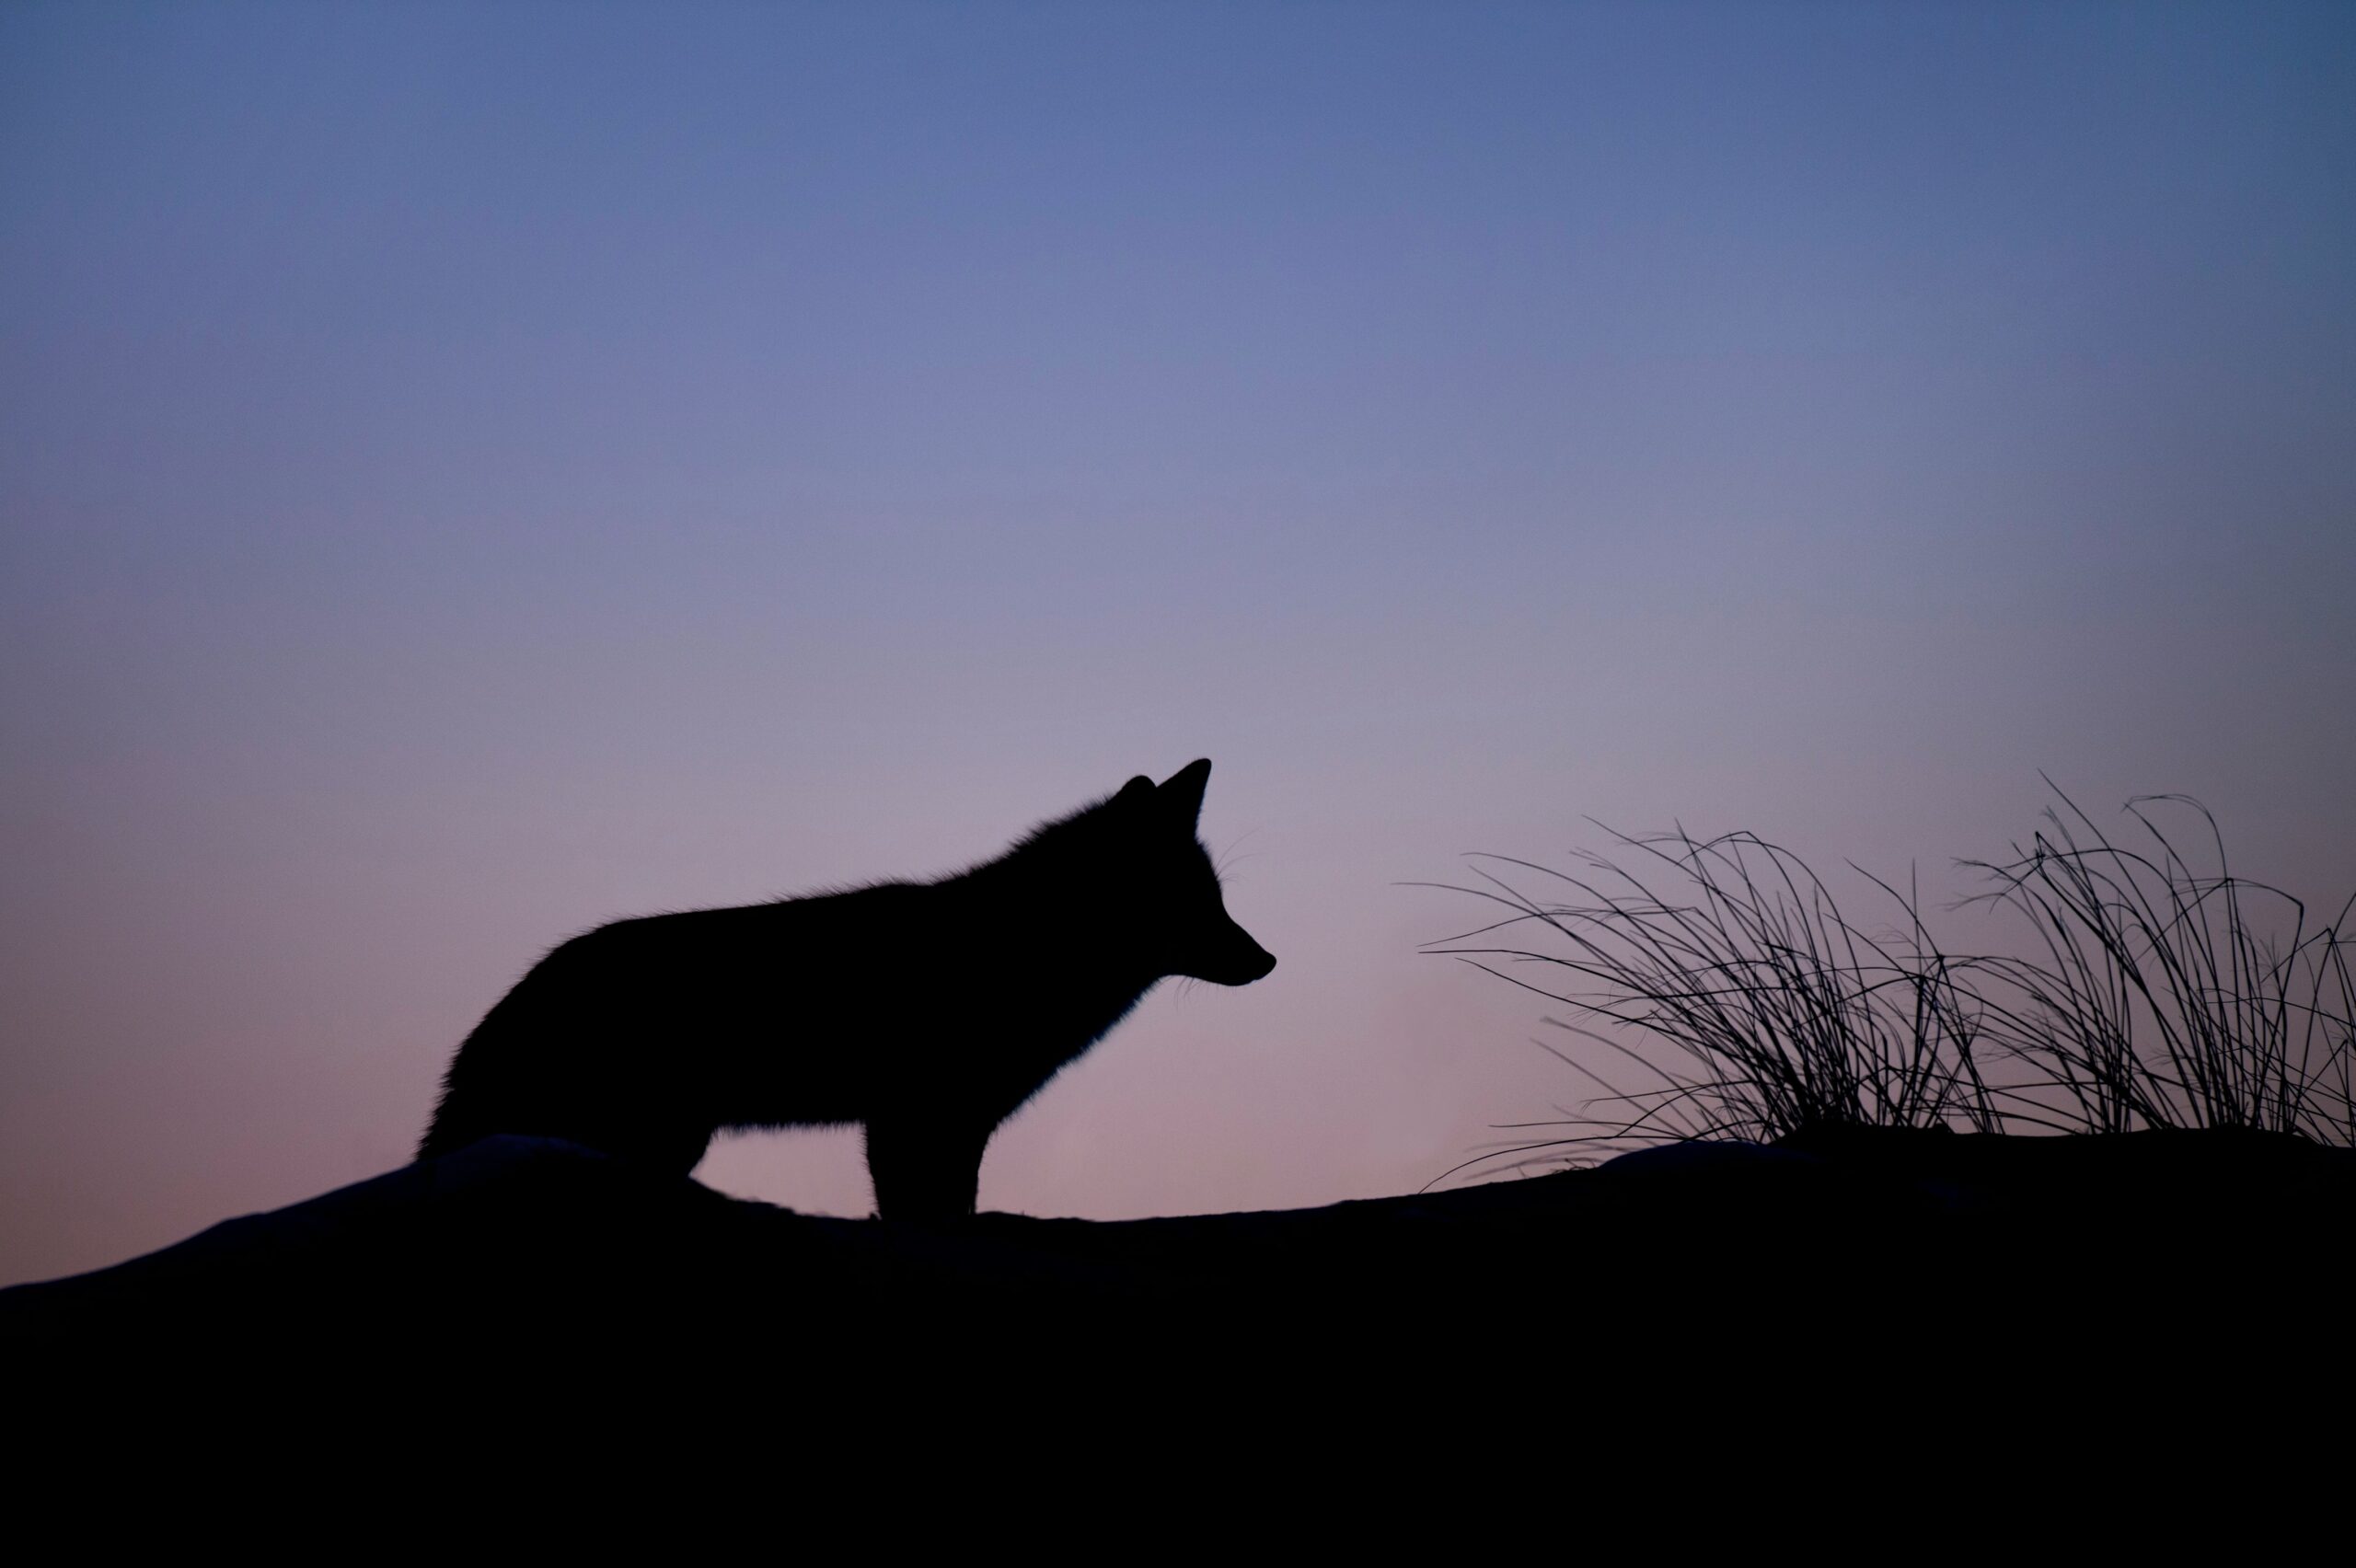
pixel 469 474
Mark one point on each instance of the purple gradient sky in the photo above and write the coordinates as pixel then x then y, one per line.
pixel 470 474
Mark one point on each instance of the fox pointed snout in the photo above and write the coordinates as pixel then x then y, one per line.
pixel 1236 961
pixel 1263 964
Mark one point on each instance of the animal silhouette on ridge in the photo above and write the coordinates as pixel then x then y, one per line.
pixel 930 1011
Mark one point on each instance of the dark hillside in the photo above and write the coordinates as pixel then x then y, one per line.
pixel 524 1246
pixel 528 1331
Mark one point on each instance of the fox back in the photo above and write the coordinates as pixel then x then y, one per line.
pixel 928 1012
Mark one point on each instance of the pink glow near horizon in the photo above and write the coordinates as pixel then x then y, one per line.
pixel 467 475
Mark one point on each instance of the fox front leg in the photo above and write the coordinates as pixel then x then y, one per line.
pixel 925 1168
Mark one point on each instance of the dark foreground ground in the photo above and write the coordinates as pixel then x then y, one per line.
pixel 532 1312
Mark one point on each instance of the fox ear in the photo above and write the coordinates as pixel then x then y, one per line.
pixel 1182 792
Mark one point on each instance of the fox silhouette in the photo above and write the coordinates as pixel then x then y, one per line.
pixel 929 1011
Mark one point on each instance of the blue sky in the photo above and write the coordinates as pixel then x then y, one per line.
pixel 469 473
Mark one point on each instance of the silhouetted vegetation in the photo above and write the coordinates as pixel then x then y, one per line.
pixel 2156 993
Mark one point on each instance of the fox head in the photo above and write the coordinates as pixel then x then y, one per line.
pixel 1172 901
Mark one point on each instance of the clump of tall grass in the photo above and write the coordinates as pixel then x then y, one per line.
pixel 1725 974
pixel 1765 1007
pixel 2170 996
